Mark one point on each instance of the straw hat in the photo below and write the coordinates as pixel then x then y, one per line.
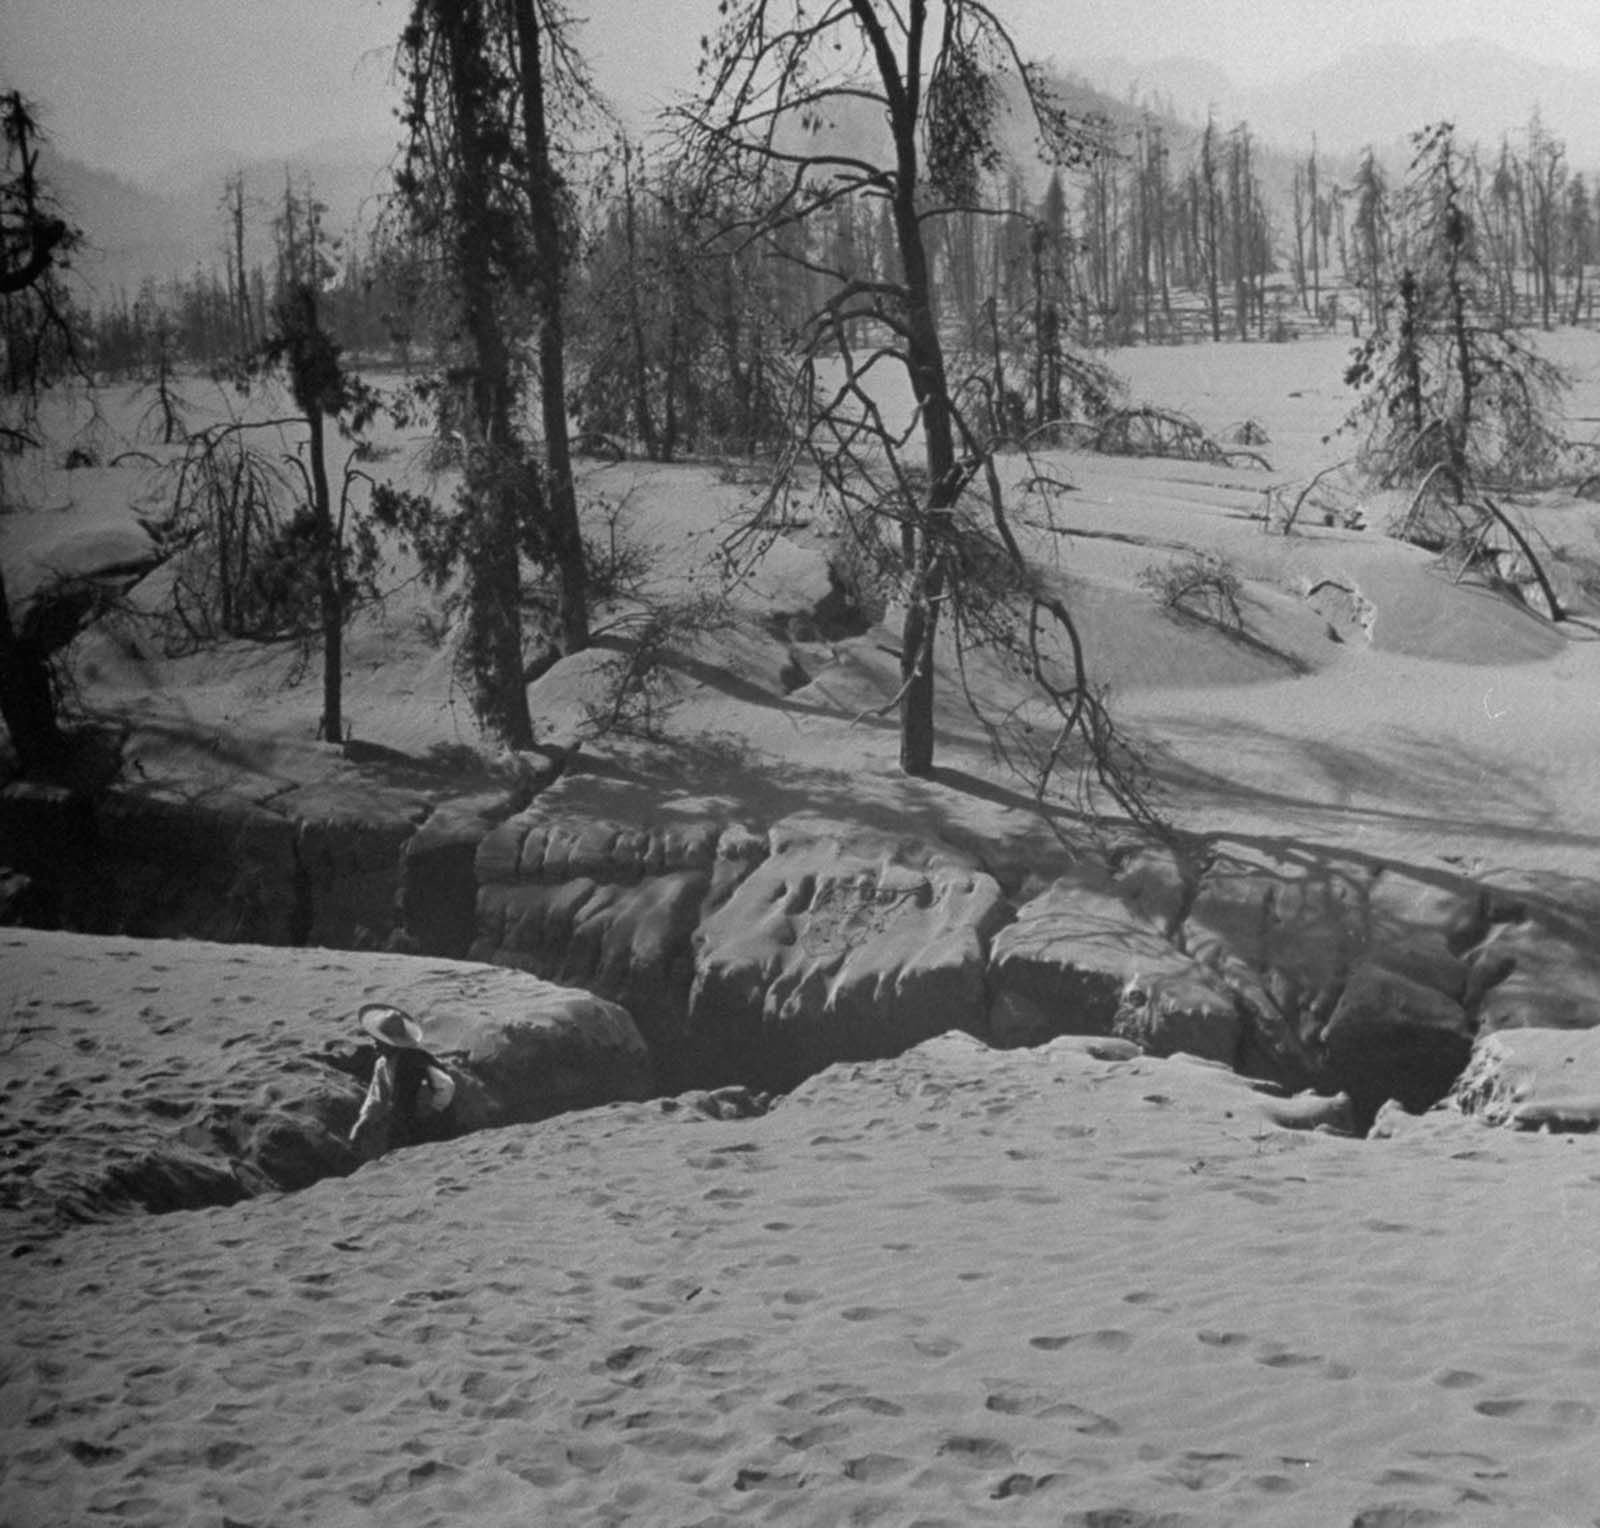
pixel 389 1026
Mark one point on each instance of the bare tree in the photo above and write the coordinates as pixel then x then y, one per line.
pixel 1315 212
pixel 1543 182
pixel 1371 235
pixel 274 549
pixel 542 59
pixel 325 391
pixel 1210 220
pixel 774 76
pixel 1305 223
pixel 233 204
pixel 1580 243
pixel 1052 297
pixel 1239 220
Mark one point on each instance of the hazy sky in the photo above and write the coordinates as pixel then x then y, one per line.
pixel 136 85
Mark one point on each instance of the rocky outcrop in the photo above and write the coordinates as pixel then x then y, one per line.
pixel 609 905
pixel 309 865
pixel 743 956
pixel 1087 957
pixel 840 948
pixel 1391 1036
pixel 1173 1004
pixel 24 902
pixel 438 895
pixel 763 954
pixel 1373 979
pixel 1525 975
pixel 1533 1079
pixel 523 1049
pixel 346 850
pixel 221 868
pixel 49 835
pixel 1061 966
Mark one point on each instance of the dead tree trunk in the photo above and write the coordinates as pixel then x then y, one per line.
pixel 544 200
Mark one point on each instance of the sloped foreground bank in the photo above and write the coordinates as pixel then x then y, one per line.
pixel 153 1074
pixel 1057 1286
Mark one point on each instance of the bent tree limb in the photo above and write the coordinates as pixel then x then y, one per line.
pixel 1545 586
pixel 1408 526
pixel 1000 597
pixel 1305 493
pixel 534 32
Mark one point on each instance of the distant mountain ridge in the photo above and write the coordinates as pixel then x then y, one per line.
pixel 1376 96
pixel 1383 95
pixel 166 229
pixel 1380 96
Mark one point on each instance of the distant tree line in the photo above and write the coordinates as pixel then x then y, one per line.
pixel 673 319
pixel 213 317
pixel 1535 221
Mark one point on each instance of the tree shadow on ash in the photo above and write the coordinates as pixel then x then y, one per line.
pixel 1241 637
pixel 996 827
pixel 1469 852
pixel 1407 786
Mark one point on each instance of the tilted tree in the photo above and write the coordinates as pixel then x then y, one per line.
pixel 34 238
pixel 774 76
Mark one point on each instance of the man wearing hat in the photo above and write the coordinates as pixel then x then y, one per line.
pixel 409 1091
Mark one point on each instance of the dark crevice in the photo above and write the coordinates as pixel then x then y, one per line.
pixel 303 911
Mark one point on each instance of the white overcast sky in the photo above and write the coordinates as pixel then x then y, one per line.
pixel 135 85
